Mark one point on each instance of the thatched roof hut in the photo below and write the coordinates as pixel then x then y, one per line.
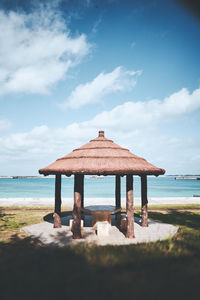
pixel 101 156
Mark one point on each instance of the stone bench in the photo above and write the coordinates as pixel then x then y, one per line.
pixel 102 228
pixel 100 213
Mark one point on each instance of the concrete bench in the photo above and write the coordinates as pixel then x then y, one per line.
pixel 102 228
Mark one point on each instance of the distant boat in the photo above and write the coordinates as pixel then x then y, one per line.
pixel 196 195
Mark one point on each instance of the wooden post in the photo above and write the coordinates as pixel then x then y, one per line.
pixel 57 208
pixel 82 196
pixel 117 192
pixel 78 188
pixel 82 191
pixel 117 198
pixel 129 207
pixel 144 201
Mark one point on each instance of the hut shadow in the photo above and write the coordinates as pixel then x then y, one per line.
pixel 65 237
pixel 66 216
pixel 31 270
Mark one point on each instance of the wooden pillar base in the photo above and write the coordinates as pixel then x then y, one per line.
pixel 57 220
pixel 144 222
pixel 130 235
pixel 129 207
pixel 78 193
pixel 76 230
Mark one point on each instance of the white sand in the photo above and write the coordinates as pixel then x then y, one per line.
pixel 92 201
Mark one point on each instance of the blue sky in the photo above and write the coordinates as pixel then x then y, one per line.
pixel 71 68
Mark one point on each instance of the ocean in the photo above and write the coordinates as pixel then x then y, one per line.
pixel 101 187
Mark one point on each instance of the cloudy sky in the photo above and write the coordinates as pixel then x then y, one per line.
pixel 71 68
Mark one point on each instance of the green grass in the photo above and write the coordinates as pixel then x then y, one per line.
pixel 167 269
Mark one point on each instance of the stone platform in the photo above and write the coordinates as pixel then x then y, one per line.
pixel 48 235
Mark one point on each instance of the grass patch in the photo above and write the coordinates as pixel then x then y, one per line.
pixel 166 207
pixel 13 219
pixel 167 269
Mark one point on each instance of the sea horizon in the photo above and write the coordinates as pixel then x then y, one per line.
pixel 98 187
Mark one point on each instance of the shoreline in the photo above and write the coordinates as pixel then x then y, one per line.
pixel 96 201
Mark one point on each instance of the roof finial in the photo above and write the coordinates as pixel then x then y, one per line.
pixel 101 133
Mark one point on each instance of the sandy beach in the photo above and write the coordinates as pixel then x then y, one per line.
pixel 91 201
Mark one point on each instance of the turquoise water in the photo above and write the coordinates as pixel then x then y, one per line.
pixel 97 187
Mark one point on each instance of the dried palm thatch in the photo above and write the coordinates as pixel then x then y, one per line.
pixel 101 156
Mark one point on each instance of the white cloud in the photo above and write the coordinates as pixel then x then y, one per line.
pixel 135 125
pixel 105 83
pixel 36 51
pixel 41 140
pixel 140 114
pixel 4 125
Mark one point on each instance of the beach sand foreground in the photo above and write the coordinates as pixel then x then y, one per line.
pixel 101 201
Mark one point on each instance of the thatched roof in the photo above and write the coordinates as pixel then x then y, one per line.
pixel 101 157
